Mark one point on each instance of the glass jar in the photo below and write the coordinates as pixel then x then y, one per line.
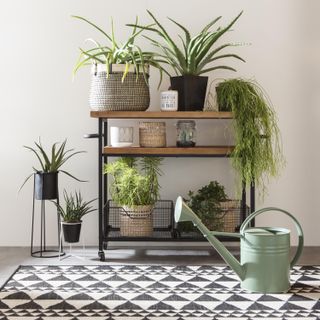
pixel 186 133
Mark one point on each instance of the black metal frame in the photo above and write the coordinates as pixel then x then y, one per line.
pixel 43 252
pixel 103 193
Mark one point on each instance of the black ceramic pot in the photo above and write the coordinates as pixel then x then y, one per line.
pixel 191 91
pixel 46 185
pixel 71 231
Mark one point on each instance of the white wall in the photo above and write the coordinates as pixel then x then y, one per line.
pixel 39 44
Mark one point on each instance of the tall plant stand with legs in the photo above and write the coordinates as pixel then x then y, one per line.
pixel 41 194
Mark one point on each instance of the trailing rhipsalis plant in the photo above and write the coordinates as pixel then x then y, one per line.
pixel 134 182
pixel 258 151
pixel 196 53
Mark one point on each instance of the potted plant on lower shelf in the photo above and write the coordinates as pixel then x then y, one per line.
pixel 258 151
pixel 46 178
pixel 75 209
pixel 207 205
pixel 135 188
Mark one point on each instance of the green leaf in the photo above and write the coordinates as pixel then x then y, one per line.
pixel 92 24
pixel 210 24
pixel 216 68
pixel 47 163
pixel 185 30
pixel 170 42
pixel 70 175
pixel 37 155
pixel 25 181
pixel 215 37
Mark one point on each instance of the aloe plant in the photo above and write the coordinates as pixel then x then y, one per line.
pixel 51 162
pixel 114 52
pixel 197 53
pixel 75 207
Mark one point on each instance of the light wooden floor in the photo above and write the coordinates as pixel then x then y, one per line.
pixel 12 257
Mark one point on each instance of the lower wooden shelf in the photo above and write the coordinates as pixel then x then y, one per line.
pixel 201 151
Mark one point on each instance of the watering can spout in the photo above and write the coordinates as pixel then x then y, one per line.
pixel 184 213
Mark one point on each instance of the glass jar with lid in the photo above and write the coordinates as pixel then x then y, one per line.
pixel 186 133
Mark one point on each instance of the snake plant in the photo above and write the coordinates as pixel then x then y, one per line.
pixel 196 53
pixel 115 52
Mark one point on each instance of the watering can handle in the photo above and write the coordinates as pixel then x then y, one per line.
pixel 297 224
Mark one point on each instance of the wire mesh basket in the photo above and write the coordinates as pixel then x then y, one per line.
pixel 231 216
pixel 120 224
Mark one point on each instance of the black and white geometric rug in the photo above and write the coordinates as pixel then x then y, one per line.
pixel 152 292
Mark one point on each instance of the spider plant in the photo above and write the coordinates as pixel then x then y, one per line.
pixel 197 52
pixel 258 151
pixel 115 52
pixel 51 162
pixel 75 207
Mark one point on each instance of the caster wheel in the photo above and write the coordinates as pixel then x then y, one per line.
pixel 175 234
pixel 102 256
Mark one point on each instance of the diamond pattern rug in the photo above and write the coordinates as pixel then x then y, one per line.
pixel 152 292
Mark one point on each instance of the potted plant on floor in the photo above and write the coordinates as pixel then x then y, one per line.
pixel 120 72
pixel 46 178
pixel 192 60
pixel 258 151
pixel 136 189
pixel 75 209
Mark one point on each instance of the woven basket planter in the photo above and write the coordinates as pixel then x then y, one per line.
pixel 152 134
pixel 231 211
pixel 136 222
pixel 108 92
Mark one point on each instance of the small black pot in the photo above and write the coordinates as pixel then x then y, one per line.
pixel 71 231
pixel 191 91
pixel 46 185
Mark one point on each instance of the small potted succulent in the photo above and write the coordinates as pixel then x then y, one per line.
pixel 46 177
pixel 191 60
pixel 135 188
pixel 75 209
pixel 120 72
pixel 258 151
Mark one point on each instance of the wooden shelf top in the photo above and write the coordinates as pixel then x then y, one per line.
pixel 201 151
pixel 161 114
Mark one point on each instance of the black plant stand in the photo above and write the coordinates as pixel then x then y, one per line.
pixel 43 251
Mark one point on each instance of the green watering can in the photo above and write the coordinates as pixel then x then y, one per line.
pixel 265 252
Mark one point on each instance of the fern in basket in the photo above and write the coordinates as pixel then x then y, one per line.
pixel 135 183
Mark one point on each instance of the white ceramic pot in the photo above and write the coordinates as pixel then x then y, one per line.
pixel 121 136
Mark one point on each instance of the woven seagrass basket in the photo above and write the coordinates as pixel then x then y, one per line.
pixel 152 134
pixel 136 222
pixel 108 92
